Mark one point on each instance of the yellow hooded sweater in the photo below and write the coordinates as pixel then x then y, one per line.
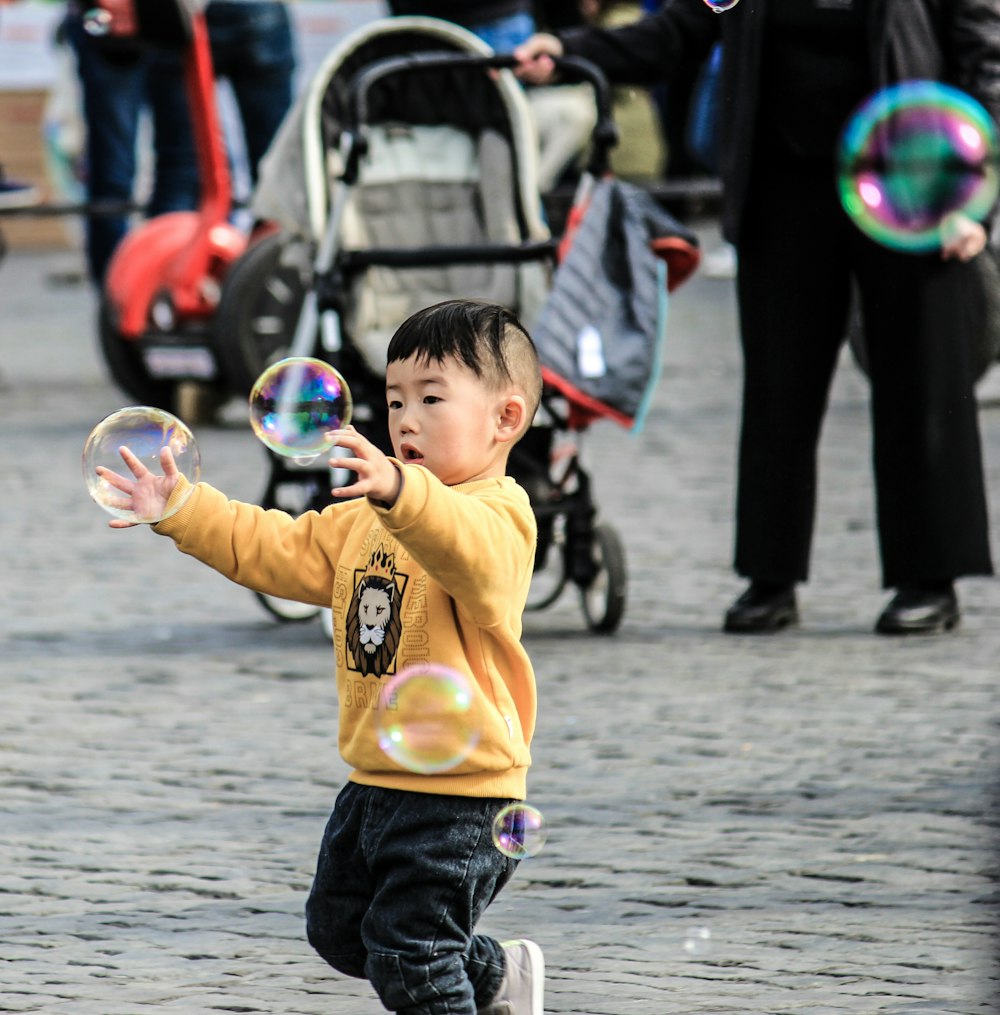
pixel 440 577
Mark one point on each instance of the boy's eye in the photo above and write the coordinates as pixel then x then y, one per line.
pixel 431 399
pixel 395 403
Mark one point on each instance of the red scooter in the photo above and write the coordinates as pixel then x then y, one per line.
pixel 165 278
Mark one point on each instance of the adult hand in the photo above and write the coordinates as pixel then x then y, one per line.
pixel 534 58
pixel 147 494
pixel 378 479
pixel 961 238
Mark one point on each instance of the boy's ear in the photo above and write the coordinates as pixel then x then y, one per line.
pixel 512 418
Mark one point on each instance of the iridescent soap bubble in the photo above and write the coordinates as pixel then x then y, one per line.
pixel 97 22
pixel 428 719
pixel 721 5
pixel 911 158
pixel 295 402
pixel 145 431
pixel 519 831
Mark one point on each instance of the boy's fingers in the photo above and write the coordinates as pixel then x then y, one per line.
pixel 353 490
pixel 344 436
pixel 168 464
pixel 120 523
pixel 351 464
pixel 135 466
pixel 115 480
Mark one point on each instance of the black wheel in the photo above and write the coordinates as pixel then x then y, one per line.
pixel 603 599
pixel 261 298
pixel 295 492
pixel 127 368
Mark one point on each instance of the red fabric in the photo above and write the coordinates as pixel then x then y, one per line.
pixel 583 408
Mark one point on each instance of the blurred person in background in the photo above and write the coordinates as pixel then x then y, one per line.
pixel 252 47
pixel 564 116
pixel 641 152
pixel 119 80
pixel 792 73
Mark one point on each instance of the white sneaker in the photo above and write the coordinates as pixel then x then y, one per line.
pixel 523 984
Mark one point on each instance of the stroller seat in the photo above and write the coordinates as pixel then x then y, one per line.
pixel 420 186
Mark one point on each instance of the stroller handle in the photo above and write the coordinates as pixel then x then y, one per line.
pixel 603 138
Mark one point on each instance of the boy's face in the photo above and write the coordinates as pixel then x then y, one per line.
pixel 443 417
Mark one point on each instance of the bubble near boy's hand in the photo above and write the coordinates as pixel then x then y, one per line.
pixel 132 461
pixel 295 403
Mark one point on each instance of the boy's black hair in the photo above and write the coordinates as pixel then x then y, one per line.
pixel 485 337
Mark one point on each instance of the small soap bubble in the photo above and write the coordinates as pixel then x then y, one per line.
pixel 719 6
pixel 519 831
pixel 428 718
pixel 145 431
pixel 97 22
pixel 697 941
pixel 911 158
pixel 295 402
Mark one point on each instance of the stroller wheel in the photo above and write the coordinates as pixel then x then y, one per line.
pixel 198 402
pixel 287 610
pixel 127 368
pixel 603 599
pixel 550 576
pixel 261 299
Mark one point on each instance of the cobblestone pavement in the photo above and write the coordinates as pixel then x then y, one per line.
pixel 817 803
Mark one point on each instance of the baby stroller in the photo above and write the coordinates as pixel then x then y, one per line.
pixel 412 134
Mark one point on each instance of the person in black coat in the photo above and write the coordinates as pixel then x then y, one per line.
pixel 793 72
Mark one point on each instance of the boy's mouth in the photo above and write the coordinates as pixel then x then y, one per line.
pixel 411 454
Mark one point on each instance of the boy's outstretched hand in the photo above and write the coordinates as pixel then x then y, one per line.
pixel 378 479
pixel 147 494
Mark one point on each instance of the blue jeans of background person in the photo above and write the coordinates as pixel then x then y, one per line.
pixel 254 49
pixel 504 34
pixel 401 880
pixel 116 88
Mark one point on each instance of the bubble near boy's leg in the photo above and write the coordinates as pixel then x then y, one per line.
pixel 429 869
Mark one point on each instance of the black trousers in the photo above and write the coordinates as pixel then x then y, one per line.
pixel 797 253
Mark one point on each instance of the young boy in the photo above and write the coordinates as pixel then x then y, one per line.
pixel 407 863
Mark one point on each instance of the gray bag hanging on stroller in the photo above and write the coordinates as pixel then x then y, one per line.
pixel 601 331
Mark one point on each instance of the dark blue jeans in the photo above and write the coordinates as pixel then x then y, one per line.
pixel 401 881
pixel 115 91
pixel 253 48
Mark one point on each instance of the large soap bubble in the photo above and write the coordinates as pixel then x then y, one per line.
pixel 913 157
pixel 428 720
pixel 145 431
pixel 293 405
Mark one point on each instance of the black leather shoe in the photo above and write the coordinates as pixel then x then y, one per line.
pixel 763 608
pixel 920 609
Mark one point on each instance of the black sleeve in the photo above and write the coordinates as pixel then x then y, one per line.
pixel 557 15
pixel 653 49
pixel 973 50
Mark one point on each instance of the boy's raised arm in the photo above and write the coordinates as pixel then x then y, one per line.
pixel 479 546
